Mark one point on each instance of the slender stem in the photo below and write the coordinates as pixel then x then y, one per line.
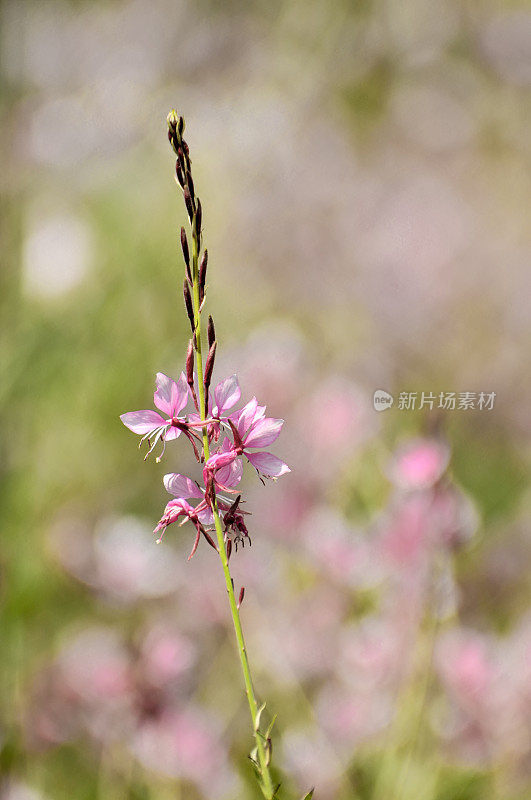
pixel 267 787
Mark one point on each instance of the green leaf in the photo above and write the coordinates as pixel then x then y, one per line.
pixel 258 715
pixel 309 795
pixel 270 728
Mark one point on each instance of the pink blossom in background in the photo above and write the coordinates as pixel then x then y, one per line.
pixel 186 744
pixel 350 716
pixel 464 663
pixel 117 559
pixel 338 419
pixel 419 463
pixel 312 760
pixel 337 548
pixel 165 655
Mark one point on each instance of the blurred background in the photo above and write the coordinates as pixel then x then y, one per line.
pixel 364 173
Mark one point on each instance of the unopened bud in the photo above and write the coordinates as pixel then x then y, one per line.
pixel 190 363
pixel 190 182
pixel 209 366
pixel 211 332
pixel 188 202
pixel 197 220
pixel 242 595
pixel 229 548
pixel 188 303
pixel 179 174
pixel 186 253
pixel 172 119
pixel 202 275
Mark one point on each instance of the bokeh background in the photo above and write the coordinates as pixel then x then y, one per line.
pixel 364 171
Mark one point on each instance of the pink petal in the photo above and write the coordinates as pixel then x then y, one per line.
pixel 142 421
pixel 230 475
pixel 268 464
pixel 227 393
pixel 264 432
pixel 205 516
pixel 171 433
pixel 244 419
pixel 181 486
pixel 179 395
pixel 163 392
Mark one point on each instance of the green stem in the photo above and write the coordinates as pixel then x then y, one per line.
pixel 267 783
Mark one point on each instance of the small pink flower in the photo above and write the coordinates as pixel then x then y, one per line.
pixel 252 430
pixel 226 394
pixel 419 464
pixel 185 489
pixel 170 397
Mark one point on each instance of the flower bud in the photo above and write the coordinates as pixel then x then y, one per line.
pixel 188 203
pixel 190 182
pixel 202 275
pixel 188 304
pixel 186 254
pixel 242 595
pixel 211 331
pixel 209 366
pixel 197 220
pixel 179 174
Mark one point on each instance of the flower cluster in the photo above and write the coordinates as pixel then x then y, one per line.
pixel 242 433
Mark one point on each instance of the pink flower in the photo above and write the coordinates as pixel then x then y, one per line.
pixel 226 394
pixel 170 397
pixel 185 489
pixel 419 464
pixel 251 430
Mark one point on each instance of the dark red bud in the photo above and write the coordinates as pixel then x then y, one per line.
pixel 197 220
pixel 229 549
pixel 188 203
pixel 184 245
pixel 202 275
pixel 242 595
pixel 188 304
pixel 179 173
pixel 209 366
pixel 190 183
pixel 211 332
pixel 190 363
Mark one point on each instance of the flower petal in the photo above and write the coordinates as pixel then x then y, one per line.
pixel 179 395
pixel 244 419
pixel 230 475
pixel 227 393
pixel 268 464
pixel 142 421
pixel 171 433
pixel 264 432
pixel 163 393
pixel 181 486
pixel 205 516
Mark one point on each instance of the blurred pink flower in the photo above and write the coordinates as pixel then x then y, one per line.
pixel 464 664
pixel 185 744
pixel 165 655
pixel 419 464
